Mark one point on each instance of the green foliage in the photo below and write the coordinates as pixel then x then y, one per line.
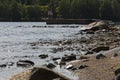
pixel 115 9
pixel 106 9
pixel 103 9
pixel 64 8
pixel 34 12
pixel 16 10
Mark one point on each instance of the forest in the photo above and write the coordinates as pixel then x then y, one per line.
pixel 36 10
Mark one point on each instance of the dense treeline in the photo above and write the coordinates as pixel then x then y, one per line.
pixel 35 10
pixel 100 9
pixel 23 10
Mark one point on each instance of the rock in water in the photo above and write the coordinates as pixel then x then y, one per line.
pixel 3 65
pixel 43 56
pixel 24 63
pixel 51 66
pixel 69 57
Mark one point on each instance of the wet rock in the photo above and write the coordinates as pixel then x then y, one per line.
pixel 117 71
pixel 100 48
pixel 50 66
pixel 42 73
pixel 55 50
pixel 90 32
pixel 100 56
pixel 69 57
pixel 67 42
pixel 6 64
pixel 34 26
pixel 54 59
pixel 73 69
pixel 58 61
pixel 83 40
pixel 118 77
pixel 3 65
pixel 43 56
pixel 70 66
pixel 10 63
pixel 35 47
pixel 82 66
pixel 25 63
pixel 89 52
pixel 62 63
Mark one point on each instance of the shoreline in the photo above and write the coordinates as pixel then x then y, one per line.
pixel 97 40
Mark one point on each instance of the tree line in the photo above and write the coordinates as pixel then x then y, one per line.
pixel 35 10
pixel 23 10
pixel 97 9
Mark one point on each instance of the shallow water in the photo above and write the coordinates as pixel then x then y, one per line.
pixel 14 39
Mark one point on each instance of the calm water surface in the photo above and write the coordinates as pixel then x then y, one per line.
pixel 14 39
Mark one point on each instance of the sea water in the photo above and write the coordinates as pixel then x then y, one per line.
pixel 14 39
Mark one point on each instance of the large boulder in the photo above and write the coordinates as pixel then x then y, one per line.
pixel 94 26
pixel 42 73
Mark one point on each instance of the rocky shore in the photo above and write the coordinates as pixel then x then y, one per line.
pixel 94 53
